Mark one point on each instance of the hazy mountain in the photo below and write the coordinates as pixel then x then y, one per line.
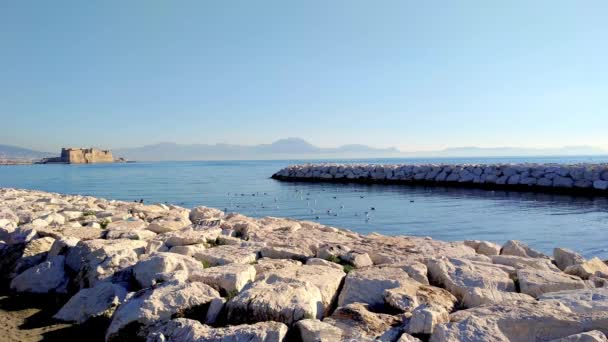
pixel 517 151
pixel 19 153
pixel 290 148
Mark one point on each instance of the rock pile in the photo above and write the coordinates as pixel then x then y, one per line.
pixel 544 177
pixel 165 273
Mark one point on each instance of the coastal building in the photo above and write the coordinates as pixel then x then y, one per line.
pixel 82 156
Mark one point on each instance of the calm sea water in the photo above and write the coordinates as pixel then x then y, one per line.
pixel 542 220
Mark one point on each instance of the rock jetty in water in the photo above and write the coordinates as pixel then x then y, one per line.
pixel 166 273
pixel 583 178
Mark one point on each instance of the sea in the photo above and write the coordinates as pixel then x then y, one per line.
pixel 543 221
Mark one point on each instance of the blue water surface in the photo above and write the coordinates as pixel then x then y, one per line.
pixel 543 221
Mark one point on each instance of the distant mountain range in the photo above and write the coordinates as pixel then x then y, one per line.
pixel 19 153
pixel 290 148
pixel 296 148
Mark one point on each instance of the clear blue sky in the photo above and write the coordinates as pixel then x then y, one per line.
pixel 412 74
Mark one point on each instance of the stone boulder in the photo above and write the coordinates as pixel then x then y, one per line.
pixel 536 282
pixel 228 254
pixel 589 336
pixel 518 248
pixel 369 285
pixel 589 268
pixel 204 213
pixel 227 279
pixel 517 321
pixel 326 279
pixel 483 247
pixel 518 262
pixel 168 224
pixel 460 275
pixel 565 257
pixel 425 318
pixel 580 301
pixel 412 294
pixel 98 301
pixel 314 330
pixel 359 324
pixel 161 267
pixel 99 260
pixel 48 276
pixel 34 253
pixel 188 330
pixel 275 299
pixel 161 303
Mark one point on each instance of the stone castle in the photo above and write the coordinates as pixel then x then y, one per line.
pixel 82 156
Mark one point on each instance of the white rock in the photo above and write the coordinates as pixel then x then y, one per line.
pixel 589 268
pixel 580 301
pixel 275 299
pixel 227 279
pixel 368 285
pixel 314 330
pixel 565 257
pixel 100 300
pixel 158 304
pixel 188 330
pixel 536 282
pixel 48 276
pixel 425 318
pixel 161 267
pixel 460 275
pixel 517 321
pixel 413 294
pixel 517 248
pixel 589 336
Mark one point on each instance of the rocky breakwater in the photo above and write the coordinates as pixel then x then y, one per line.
pixel 166 273
pixel 582 178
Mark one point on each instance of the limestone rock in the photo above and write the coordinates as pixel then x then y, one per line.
pixel 425 318
pixel 228 254
pixel 477 296
pixel 203 213
pixel 483 247
pixel 368 285
pixel 100 300
pixel 322 262
pixel 517 321
pixel 48 276
pixel 357 259
pixel 565 257
pixel 518 262
pixel 285 252
pixel 61 246
pixel 275 299
pixel 537 282
pixel 413 294
pixel 359 324
pixel 99 260
pixel 168 224
pixel 460 275
pixel 226 279
pixel 313 330
pixel 518 248
pixel 580 301
pixel 160 267
pixel 589 268
pixel 35 252
pixel 188 330
pixel 158 304
pixel 589 336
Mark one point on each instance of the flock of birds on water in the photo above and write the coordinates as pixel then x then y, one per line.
pixel 314 205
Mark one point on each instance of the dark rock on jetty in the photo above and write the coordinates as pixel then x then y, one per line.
pixel 589 179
